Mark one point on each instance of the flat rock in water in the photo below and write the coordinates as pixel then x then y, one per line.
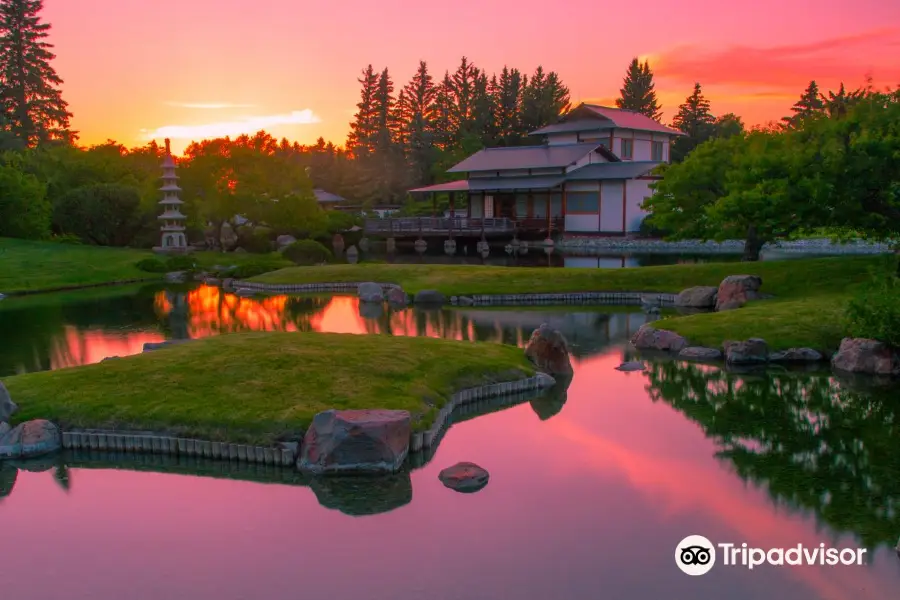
pixel 700 353
pixel 631 366
pixel 799 355
pixel 7 407
pixel 549 351
pixel 363 441
pixel 749 352
pixel 650 338
pixel 464 477
pixel 32 438
pixel 370 292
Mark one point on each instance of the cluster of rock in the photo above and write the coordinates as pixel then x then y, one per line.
pixel 734 292
pixel 395 296
pixel 855 355
pixel 28 439
pixel 809 246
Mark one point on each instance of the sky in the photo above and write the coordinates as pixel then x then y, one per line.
pixel 136 70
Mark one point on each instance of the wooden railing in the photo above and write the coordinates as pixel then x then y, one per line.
pixel 460 225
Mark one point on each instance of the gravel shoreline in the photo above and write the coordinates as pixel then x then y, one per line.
pixel 590 245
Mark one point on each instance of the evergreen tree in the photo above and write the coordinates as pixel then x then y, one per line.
pixel 462 88
pixel 638 91
pixel 484 111
pixel 728 125
pixel 544 99
pixel 837 105
pixel 694 119
pixel 416 107
pixel 363 128
pixel 507 102
pixel 29 86
pixel 443 113
pixel 809 104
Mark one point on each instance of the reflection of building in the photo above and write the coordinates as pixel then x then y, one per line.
pixel 173 237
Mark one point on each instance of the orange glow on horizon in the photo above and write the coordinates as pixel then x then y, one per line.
pixel 298 79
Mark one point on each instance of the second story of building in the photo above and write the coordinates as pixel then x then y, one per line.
pixel 627 134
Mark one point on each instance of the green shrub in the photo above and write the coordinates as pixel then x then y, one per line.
pixel 105 214
pixel 307 252
pixel 179 263
pixel 151 265
pixel 251 269
pixel 874 311
pixel 255 241
pixel 648 230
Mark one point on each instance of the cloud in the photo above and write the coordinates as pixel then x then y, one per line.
pixel 209 105
pixel 247 125
pixel 848 58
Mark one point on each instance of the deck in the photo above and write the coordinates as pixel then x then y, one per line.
pixel 461 226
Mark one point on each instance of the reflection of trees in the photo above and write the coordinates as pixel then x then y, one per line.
pixel 814 444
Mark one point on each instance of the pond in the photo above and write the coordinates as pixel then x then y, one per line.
pixel 591 490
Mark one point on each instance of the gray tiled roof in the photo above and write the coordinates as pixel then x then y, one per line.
pixel 524 157
pixel 491 184
pixel 615 170
pixel 323 196
pixel 576 125
pixel 450 186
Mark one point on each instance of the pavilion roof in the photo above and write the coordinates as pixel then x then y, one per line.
pixel 525 157
pixel 591 117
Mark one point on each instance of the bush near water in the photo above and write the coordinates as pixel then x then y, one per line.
pixel 307 252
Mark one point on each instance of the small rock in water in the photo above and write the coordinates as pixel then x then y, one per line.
pixel 631 366
pixel 464 477
pixel 700 353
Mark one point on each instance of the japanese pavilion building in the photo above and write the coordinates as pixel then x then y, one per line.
pixel 590 176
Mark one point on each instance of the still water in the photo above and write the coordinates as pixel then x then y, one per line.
pixel 590 490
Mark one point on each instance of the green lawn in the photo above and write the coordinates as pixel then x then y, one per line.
pixel 807 311
pixel 28 266
pixel 262 387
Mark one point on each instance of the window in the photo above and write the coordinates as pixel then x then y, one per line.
pixel 656 151
pixel 583 202
pixel 627 149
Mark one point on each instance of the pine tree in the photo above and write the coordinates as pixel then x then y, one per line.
pixel 416 107
pixel 507 101
pixel 29 86
pixel 694 119
pixel 361 140
pixel 809 104
pixel 462 88
pixel 387 174
pixel 638 91
pixel 544 99
pixel 837 105
pixel 484 111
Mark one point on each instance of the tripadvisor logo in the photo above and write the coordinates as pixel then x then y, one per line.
pixel 696 555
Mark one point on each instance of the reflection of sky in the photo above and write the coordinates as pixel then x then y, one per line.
pixel 588 504
pixel 207 310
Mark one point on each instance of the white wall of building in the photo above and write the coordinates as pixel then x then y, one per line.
pixel 642 144
pixel 558 139
pixel 611 209
pixel 583 223
pixel 637 190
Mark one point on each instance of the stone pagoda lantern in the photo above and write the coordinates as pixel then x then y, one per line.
pixel 173 221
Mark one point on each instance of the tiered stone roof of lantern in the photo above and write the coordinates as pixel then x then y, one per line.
pixel 172 216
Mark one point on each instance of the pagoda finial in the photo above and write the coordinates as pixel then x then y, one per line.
pixel 168 148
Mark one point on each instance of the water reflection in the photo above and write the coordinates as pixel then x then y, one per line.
pixel 77 332
pixel 812 442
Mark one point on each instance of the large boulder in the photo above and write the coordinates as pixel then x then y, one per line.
pixel 32 438
pixel 796 355
pixel 365 441
pixel 7 407
pixel 700 353
pixel 429 297
pixel 549 351
pixel 748 352
pixel 228 237
pixel 651 338
pixel 860 355
pixel 737 290
pixel 370 292
pixel 702 296
pixel 464 477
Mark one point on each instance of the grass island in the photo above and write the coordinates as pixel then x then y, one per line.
pixel 261 388
pixel 807 310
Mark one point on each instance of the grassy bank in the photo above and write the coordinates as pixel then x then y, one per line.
pixel 28 266
pixel 260 387
pixel 807 311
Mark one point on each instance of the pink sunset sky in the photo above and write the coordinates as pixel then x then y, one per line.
pixel 137 70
